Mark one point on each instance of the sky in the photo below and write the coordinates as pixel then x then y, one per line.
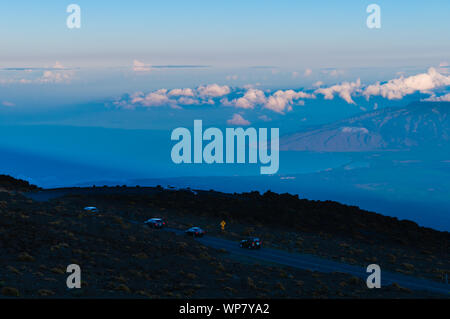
pixel 232 33
pixel 161 64
pixel 234 62
pixel 158 65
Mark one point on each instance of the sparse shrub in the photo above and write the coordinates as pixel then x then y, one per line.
pixel 132 239
pixel 144 293
pixel 409 267
pixel 56 270
pixel 10 292
pixel 220 267
pixel 141 256
pixel 189 292
pixel 354 281
pixel 392 258
pixel 251 283
pixel 248 231
pixel 14 270
pixel 124 288
pixel 191 276
pixel 45 292
pixel 120 279
pixel 229 289
pixel 25 257
pixel 280 286
pixel 396 286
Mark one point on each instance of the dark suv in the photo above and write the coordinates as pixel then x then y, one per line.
pixel 251 243
pixel 195 232
pixel 155 223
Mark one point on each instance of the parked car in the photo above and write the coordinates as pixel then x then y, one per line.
pixel 195 232
pixel 155 223
pixel 251 243
pixel 91 209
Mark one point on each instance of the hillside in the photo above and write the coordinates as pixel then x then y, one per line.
pixel 121 258
pixel 9 183
pixel 420 125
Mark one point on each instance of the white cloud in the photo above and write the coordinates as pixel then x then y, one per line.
pixel 8 104
pixel 232 77
pixel 187 101
pixel 58 65
pixel 213 90
pixel 237 119
pixel 281 101
pixel 308 72
pixel 250 99
pixel 181 92
pixel 226 102
pixel 174 98
pixel 58 74
pixel 344 90
pixel 157 98
pixel 318 84
pixel 55 76
pixel 139 66
pixel 442 98
pixel 444 68
pixel 397 88
pixel 351 129
pixel 333 72
pixel 264 118
pixel 251 86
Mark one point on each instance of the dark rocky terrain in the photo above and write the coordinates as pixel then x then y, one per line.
pixel 121 258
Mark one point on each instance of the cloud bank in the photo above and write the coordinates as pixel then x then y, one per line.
pixel 282 101
pixel 344 90
pixel 442 98
pixel 279 102
pixel 56 74
pixel 139 66
pixel 398 88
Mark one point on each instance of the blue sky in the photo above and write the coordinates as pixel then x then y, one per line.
pixel 227 33
pixel 322 51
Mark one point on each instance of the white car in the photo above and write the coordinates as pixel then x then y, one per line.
pixel 91 209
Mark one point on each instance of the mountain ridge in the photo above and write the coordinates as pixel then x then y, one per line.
pixel 419 125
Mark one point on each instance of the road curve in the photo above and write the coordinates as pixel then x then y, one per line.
pixel 313 263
